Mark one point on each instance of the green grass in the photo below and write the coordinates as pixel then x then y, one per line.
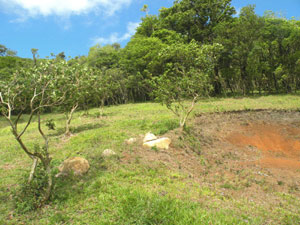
pixel 116 193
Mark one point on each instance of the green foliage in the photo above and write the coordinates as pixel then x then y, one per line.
pixel 254 48
pixel 104 57
pixel 145 9
pixel 76 80
pixel 9 64
pixel 139 60
pixel 169 36
pixel 25 88
pixel 3 50
pixel 34 90
pixel 148 26
pixel 110 86
pixel 61 56
pixel 196 19
pixel 50 124
pixel 260 54
pixel 29 196
pixel 187 69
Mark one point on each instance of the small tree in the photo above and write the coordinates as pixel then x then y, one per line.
pixel 34 52
pixel 186 72
pixel 145 9
pixel 32 91
pixel 109 86
pixel 101 89
pixel 77 84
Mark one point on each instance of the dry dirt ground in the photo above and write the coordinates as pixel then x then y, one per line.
pixel 252 155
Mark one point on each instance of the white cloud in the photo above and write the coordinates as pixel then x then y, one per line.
pixel 115 37
pixel 32 8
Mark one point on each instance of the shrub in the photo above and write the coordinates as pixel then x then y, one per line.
pixel 30 196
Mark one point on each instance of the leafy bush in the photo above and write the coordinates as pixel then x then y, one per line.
pixel 50 124
pixel 29 196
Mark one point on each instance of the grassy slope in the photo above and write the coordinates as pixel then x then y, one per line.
pixel 116 193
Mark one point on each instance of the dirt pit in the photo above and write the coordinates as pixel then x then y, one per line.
pixel 245 160
pixel 243 155
pixel 279 144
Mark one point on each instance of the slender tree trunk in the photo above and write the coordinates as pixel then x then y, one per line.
pixel 50 183
pixel 244 80
pixel 33 168
pixel 46 160
pixel 217 83
pixel 230 87
pixel 69 119
pixel 33 156
pixel 275 83
pixel 183 119
pixel 101 109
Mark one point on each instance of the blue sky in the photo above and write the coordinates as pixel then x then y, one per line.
pixel 73 26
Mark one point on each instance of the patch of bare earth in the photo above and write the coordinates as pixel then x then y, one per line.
pixel 277 142
pixel 250 155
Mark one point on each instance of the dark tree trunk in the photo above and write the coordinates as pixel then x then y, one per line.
pixel 217 84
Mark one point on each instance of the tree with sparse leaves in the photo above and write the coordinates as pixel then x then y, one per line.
pixel 32 91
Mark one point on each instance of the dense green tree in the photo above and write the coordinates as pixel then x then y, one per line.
pixel 240 39
pixel 148 25
pixel 136 59
pixel 196 19
pixel 104 57
pixel 187 69
pixel 9 64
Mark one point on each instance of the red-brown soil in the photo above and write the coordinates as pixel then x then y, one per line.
pixel 278 143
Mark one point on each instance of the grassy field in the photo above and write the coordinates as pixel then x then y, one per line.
pixel 114 192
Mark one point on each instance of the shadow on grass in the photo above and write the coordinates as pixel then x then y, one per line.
pixel 4 123
pixel 255 95
pixel 86 127
pixel 98 115
pixel 79 129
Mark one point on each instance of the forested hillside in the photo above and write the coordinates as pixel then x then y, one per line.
pixel 259 54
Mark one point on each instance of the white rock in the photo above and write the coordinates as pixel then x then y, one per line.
pixel 131 141
pixel 108 153
pixel 159 143
pixel 149 137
